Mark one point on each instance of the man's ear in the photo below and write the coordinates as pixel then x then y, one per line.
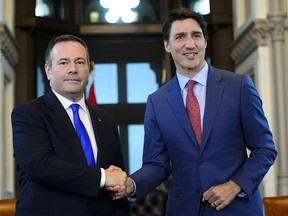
pixel 167 46
pixel 48 71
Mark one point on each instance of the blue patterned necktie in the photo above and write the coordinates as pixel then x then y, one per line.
pixel 83 135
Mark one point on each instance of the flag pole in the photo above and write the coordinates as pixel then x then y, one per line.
pixel 92 71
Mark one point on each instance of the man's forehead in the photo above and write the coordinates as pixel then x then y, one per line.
pixel 62 48
pixel 192 23
pixel 68 44
pixel 187 25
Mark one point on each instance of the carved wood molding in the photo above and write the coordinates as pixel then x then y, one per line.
pixel 255 35
pixel 8 45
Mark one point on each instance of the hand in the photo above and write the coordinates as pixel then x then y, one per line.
pixel 116 188
pixel 115 177
pixel 222 195
pixel 118 192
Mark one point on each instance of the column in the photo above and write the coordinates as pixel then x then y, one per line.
pixel 276 18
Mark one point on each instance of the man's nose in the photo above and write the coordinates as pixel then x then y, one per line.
pixel 190 42
pixel 72 68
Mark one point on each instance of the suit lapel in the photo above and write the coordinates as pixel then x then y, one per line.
pixel 96 124
pixel 63 125
pixel 214 94
pixel 176 103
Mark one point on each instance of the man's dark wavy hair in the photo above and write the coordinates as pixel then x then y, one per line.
pixel 182 14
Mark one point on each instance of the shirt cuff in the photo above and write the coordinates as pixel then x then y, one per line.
pixel 103 178
pixel 241 194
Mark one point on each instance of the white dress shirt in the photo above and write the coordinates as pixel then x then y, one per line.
pixel 86 119
pixel 199 88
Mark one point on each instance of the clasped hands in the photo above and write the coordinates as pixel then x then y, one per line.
pixel 117 182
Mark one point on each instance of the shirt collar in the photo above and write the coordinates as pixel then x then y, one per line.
pixel 200 77
pixel 66 102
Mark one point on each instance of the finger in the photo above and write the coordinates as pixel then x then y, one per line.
pixel 207 195
pixel 216 204
pixel 221 206
pixel 113 189
pixel 112 167
pixel 109 188
pixel 117 196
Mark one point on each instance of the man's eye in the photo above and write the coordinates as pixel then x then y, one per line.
pixel 80 62
pixel 196 36
pixel 62 63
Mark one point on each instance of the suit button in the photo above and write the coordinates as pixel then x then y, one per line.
pixel 200 162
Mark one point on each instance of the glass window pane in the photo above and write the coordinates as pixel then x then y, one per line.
pixel 40 83
pixel 133 11
pixel 105 83
pixel 135 146
pixel 50 8
pixel 200 6
pixel 141 81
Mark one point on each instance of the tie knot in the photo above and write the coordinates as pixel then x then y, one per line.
pixel 190 84
pixel 74 107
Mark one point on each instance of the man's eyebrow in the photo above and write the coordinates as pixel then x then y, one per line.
pixel 180 33
pixel 77 59
pixel 62 59
pixel 80 58
pixel 184 33
pixel 197 32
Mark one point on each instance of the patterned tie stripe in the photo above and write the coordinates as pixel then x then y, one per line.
pixel 193 111
pixel 83 135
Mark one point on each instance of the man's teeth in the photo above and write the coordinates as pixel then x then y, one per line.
pixel 190 54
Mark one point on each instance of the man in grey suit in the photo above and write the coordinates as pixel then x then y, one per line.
pixel 54 176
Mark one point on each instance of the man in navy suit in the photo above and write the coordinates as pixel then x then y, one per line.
pixel 54 176
pixel 216 175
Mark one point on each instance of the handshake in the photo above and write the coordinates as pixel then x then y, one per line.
pixel 118 183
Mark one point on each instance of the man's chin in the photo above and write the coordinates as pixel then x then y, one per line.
pixel 74 89
pixel 74 92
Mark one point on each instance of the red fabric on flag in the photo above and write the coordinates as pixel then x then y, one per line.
pixel 92 97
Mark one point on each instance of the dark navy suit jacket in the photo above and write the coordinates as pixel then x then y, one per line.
pixel 54 177
pixel 233 122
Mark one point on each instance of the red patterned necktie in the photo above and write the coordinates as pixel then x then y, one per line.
pixel 193 111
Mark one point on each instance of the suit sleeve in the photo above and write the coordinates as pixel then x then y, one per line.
pixel 258 139
pixel 156 163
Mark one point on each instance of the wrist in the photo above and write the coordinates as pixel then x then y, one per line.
pixel 130 186
pixel 236 187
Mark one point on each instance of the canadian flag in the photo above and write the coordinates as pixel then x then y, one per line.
pixel 91 96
